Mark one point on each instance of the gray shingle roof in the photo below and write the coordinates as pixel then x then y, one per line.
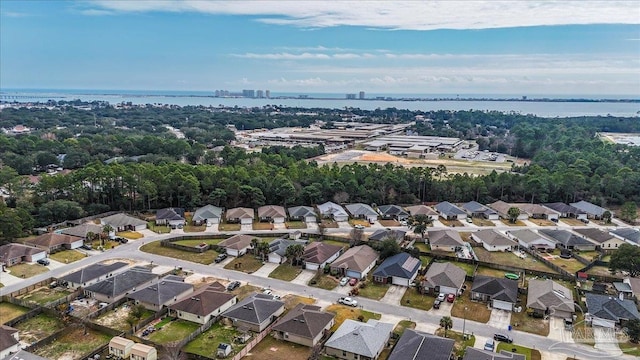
pixel 92 271
pixel 497 288
pixel 121 220
pixel 207 212
pixel 204 302
pixel 170 214
pixel 6 337
pixel 564 237
pixel 445 237
pixel 254 309
pixel 475 207
pixel 306 321
pixel 529 236
pixel 400 265
pixel 24 355
pixel 122 283
pixel 301 211
pixel 589 208
pixel 161 292
pixel 448 208
pixel 548 294
pixel 365 339
pixel 596 235
pixel 392 210
pixel 329 208
pixel 564 208
pixel 630 234
pixel 279 246
pixel 357 258
pixel 383 234
pixel 491 237
pixel 445 274
pixel 415 345
pixel 359 209
pixel 82 230
pixel 611 307
pixel 420 210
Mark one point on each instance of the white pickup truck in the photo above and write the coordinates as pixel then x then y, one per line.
pixel 348 301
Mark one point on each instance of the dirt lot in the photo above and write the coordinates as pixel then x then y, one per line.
pixel 117 318
pixel 84 307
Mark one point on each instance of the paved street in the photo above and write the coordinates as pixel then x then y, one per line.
pixel 428 320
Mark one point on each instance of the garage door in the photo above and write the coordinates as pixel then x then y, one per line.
pixel 353 274
pixel 448 290
pixel 311 266
pixel 602 322
pixel 503 305
pixel 399 281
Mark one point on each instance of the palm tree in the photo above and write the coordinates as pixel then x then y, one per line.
pixel 446 323
pixel 254 246
pixel 294 251
pixel 263 249
pixel 105 233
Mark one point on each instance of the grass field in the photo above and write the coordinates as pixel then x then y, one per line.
pixel 425 260
pixel 8 311
pixel 194 243
pixel 373 290
pixel 67 256
pixel 509 223
pixel 582 331
pixel 38 327
pixel 344 312
pixel 262 226
pixel 27 270
pixel 229 227
pixel 589 255
pixel 247 264
pixel 296 225
pixel 132 235
pixel 510 259
pixel 286 272
pixel 205 258
pixel 74 344
pixel 117 318
pixel 412 298
pixel 274 349
pixel 530 354
pixel 363 222
pixel 45 295
pixel 572 222
pixel 523 322
pixel 403 325
pixel 543 222
pixel 290 301
pixel 475 311
pixel 173 331
pixel 206 343
pixel 451 223
pixel 324 281
pixel 421 246
pixel 460 343
pixel 469 268
pixel 490 272
pixel 604 271
pixel 629 348
pixel 160 229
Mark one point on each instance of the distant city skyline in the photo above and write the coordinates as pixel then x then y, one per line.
pixel 521 48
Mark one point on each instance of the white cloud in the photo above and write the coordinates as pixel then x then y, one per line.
pixel 408 15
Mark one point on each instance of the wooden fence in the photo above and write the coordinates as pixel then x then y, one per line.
pixel 251 344
pixel 107 308
pixel 535 254
pixel 28 289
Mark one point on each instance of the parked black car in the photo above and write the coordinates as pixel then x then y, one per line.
pixel 122 240
pixel 44 262
pixel 436 304
pixel 233 285
pixel 503 338
pixel 220 257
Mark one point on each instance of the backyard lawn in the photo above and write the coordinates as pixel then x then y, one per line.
pixel 27 270
pixel 469 268
pixel 529 353
pixel 510 259
pixel 425 260
pixel 74 344
pixel 422 246
pixel 172 331
pixel 67 256
pixel 117 318
pixel 603 271
pixel 229 227
pixel 412 298
pixel 589 255
pixel 296 225
pixel 286 272
pixel 8 311
pixel 45 295
pixel 523 322
pixel 475 311
pixel 38 327
pixel 336 242
pixel 274 349
pixel 205 258
pixel 247 264
pixel 324 281
pixel 206 343
pixel 490 272
pixel 344 312
pixel 460 344
pixel 372 290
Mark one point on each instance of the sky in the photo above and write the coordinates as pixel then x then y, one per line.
pixel 519 47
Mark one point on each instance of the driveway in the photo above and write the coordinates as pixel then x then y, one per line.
pixel 311 226
pixel 445 309
pixel 344 225
pixel 7 279
pixel 304 277
pixel 557 331
pixel 265 270
pixel 605 339
pixel 54 264
pixel 394 295
pixel 246 227
pixel 500 319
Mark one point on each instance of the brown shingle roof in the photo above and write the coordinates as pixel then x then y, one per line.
pixel 306 321
pixel 6 337
pixel 357 258
pixel 319 252
pixel 237 242
pixel 50 240
pixel 12 251
pixel 204 302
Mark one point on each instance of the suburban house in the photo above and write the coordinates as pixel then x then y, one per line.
pixel 593 211
pixel 120 347
pixel 633 284
pixel 272 213
pixel 52 242
pixel 492 240
pixel 393 212
pixel 566 211
pixel 399 269
pixel 630 235
pixel 240 216
pixel 358 340
pixel 255 312
pixel 24 355
pixel 355 262
pixel 548 298
pixel 304 324
pixel 443 277
pixel 610 311
pixel 170 217
pixel 476 210
pixel 318 254
pixel 568 240
pixel 500 293
pixel 278 250
pixel 414 345
pixel 333 211
pixel 444 240
pixel 143 352
pixel 502 208
pixel 535 211
pixel 165 292
pixel 92 274
pixel 604 240
pixel 237 245
pixel 472 353
pixel 82 230
pixel 422 210
pixel 383 234
pixel 9 341
pixel 120 285
pixel 303 213
pixel 123 222
pixel 449 211
pixel 207 214
pixel 13 254
pixel 362 211
pixel 530 239
pixel 203 306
